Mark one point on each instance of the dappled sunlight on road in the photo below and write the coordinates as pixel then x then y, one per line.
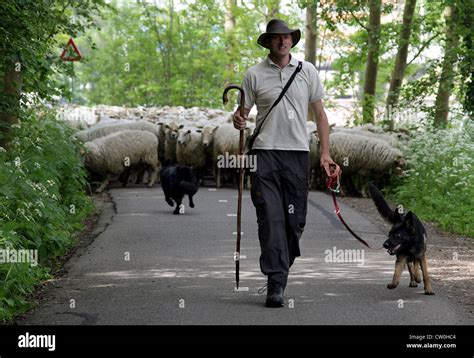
pixel 372 269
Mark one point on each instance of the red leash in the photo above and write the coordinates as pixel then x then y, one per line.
pixel 333 185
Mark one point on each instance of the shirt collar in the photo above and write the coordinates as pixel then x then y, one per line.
pixel 293 62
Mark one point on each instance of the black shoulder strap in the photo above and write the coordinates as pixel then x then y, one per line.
pixel 298 69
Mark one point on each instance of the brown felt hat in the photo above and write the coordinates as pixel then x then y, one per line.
pixel 278 27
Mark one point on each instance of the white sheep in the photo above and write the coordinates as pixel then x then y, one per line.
pixel 189 150
pixel 358 155
pixel 226 140
pixel 112 154
pixel 371 128
pixel 207 137
pixel 102 131
pixel 171 139
pixel 400 134
pixel 208 133
pixel 364 131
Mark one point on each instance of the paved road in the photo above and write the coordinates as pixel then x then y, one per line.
pixel 151 267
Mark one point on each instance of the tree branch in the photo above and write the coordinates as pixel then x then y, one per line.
pixel 358 21
pixel 423 47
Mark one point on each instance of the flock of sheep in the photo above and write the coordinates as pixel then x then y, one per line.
pixel 128 140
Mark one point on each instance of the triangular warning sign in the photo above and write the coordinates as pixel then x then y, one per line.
pixel 70 52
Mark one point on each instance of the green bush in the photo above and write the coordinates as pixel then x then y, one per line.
pixel 42 203
pixel 439 182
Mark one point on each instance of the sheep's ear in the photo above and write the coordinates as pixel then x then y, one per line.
pixel 215 128
pixel 181 126
pixel 198 131
pixel 167 126
pixel 199 126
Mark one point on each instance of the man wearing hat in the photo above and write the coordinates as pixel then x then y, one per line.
pixel 279 189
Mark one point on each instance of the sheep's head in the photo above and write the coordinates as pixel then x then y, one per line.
pixel 172 130
pixel 247 131
pixel 86 152
pixel 398 162
pixel 184 137
pixel 399 165
pixel 81 135
pixel 208 135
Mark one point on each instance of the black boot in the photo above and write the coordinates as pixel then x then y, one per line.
pixel 274 295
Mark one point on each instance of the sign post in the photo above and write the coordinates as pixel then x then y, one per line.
pixel 71 53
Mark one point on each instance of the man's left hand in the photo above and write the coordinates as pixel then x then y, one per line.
pixel 326 162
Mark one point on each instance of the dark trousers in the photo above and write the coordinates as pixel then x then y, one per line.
pixel 279 192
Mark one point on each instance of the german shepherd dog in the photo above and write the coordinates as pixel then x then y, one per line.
pixel 406 240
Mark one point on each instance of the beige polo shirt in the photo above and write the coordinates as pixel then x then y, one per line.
pixel 285 127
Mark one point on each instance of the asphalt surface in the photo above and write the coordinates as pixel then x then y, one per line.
pixel 147 266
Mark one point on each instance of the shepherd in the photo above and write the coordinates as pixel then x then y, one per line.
pixel 282 88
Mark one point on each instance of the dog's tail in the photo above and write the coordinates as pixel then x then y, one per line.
pixel 382 206
pixel 188 188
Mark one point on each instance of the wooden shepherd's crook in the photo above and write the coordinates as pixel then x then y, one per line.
pixel 241 179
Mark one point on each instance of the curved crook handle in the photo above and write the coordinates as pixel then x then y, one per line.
pixel 225 99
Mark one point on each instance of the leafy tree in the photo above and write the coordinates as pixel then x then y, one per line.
pixel 29 49
pixel 165 54
pixel 361 66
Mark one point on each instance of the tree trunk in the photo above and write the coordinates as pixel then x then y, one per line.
pixel 372 62
pixel 310 32
pixel 229 24
pixel 468 60
pixel 12 82
pixel 310 38
pixel 400 61
pixel 169 49
pixel 229 27
pixel 447 73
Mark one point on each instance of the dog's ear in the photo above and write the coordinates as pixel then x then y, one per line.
pixel 397 216
pixel 409 224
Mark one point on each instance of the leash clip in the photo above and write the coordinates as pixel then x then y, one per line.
pixel 330 182
pixel 335 190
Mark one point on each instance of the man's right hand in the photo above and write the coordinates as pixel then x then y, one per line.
pixel 239 121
